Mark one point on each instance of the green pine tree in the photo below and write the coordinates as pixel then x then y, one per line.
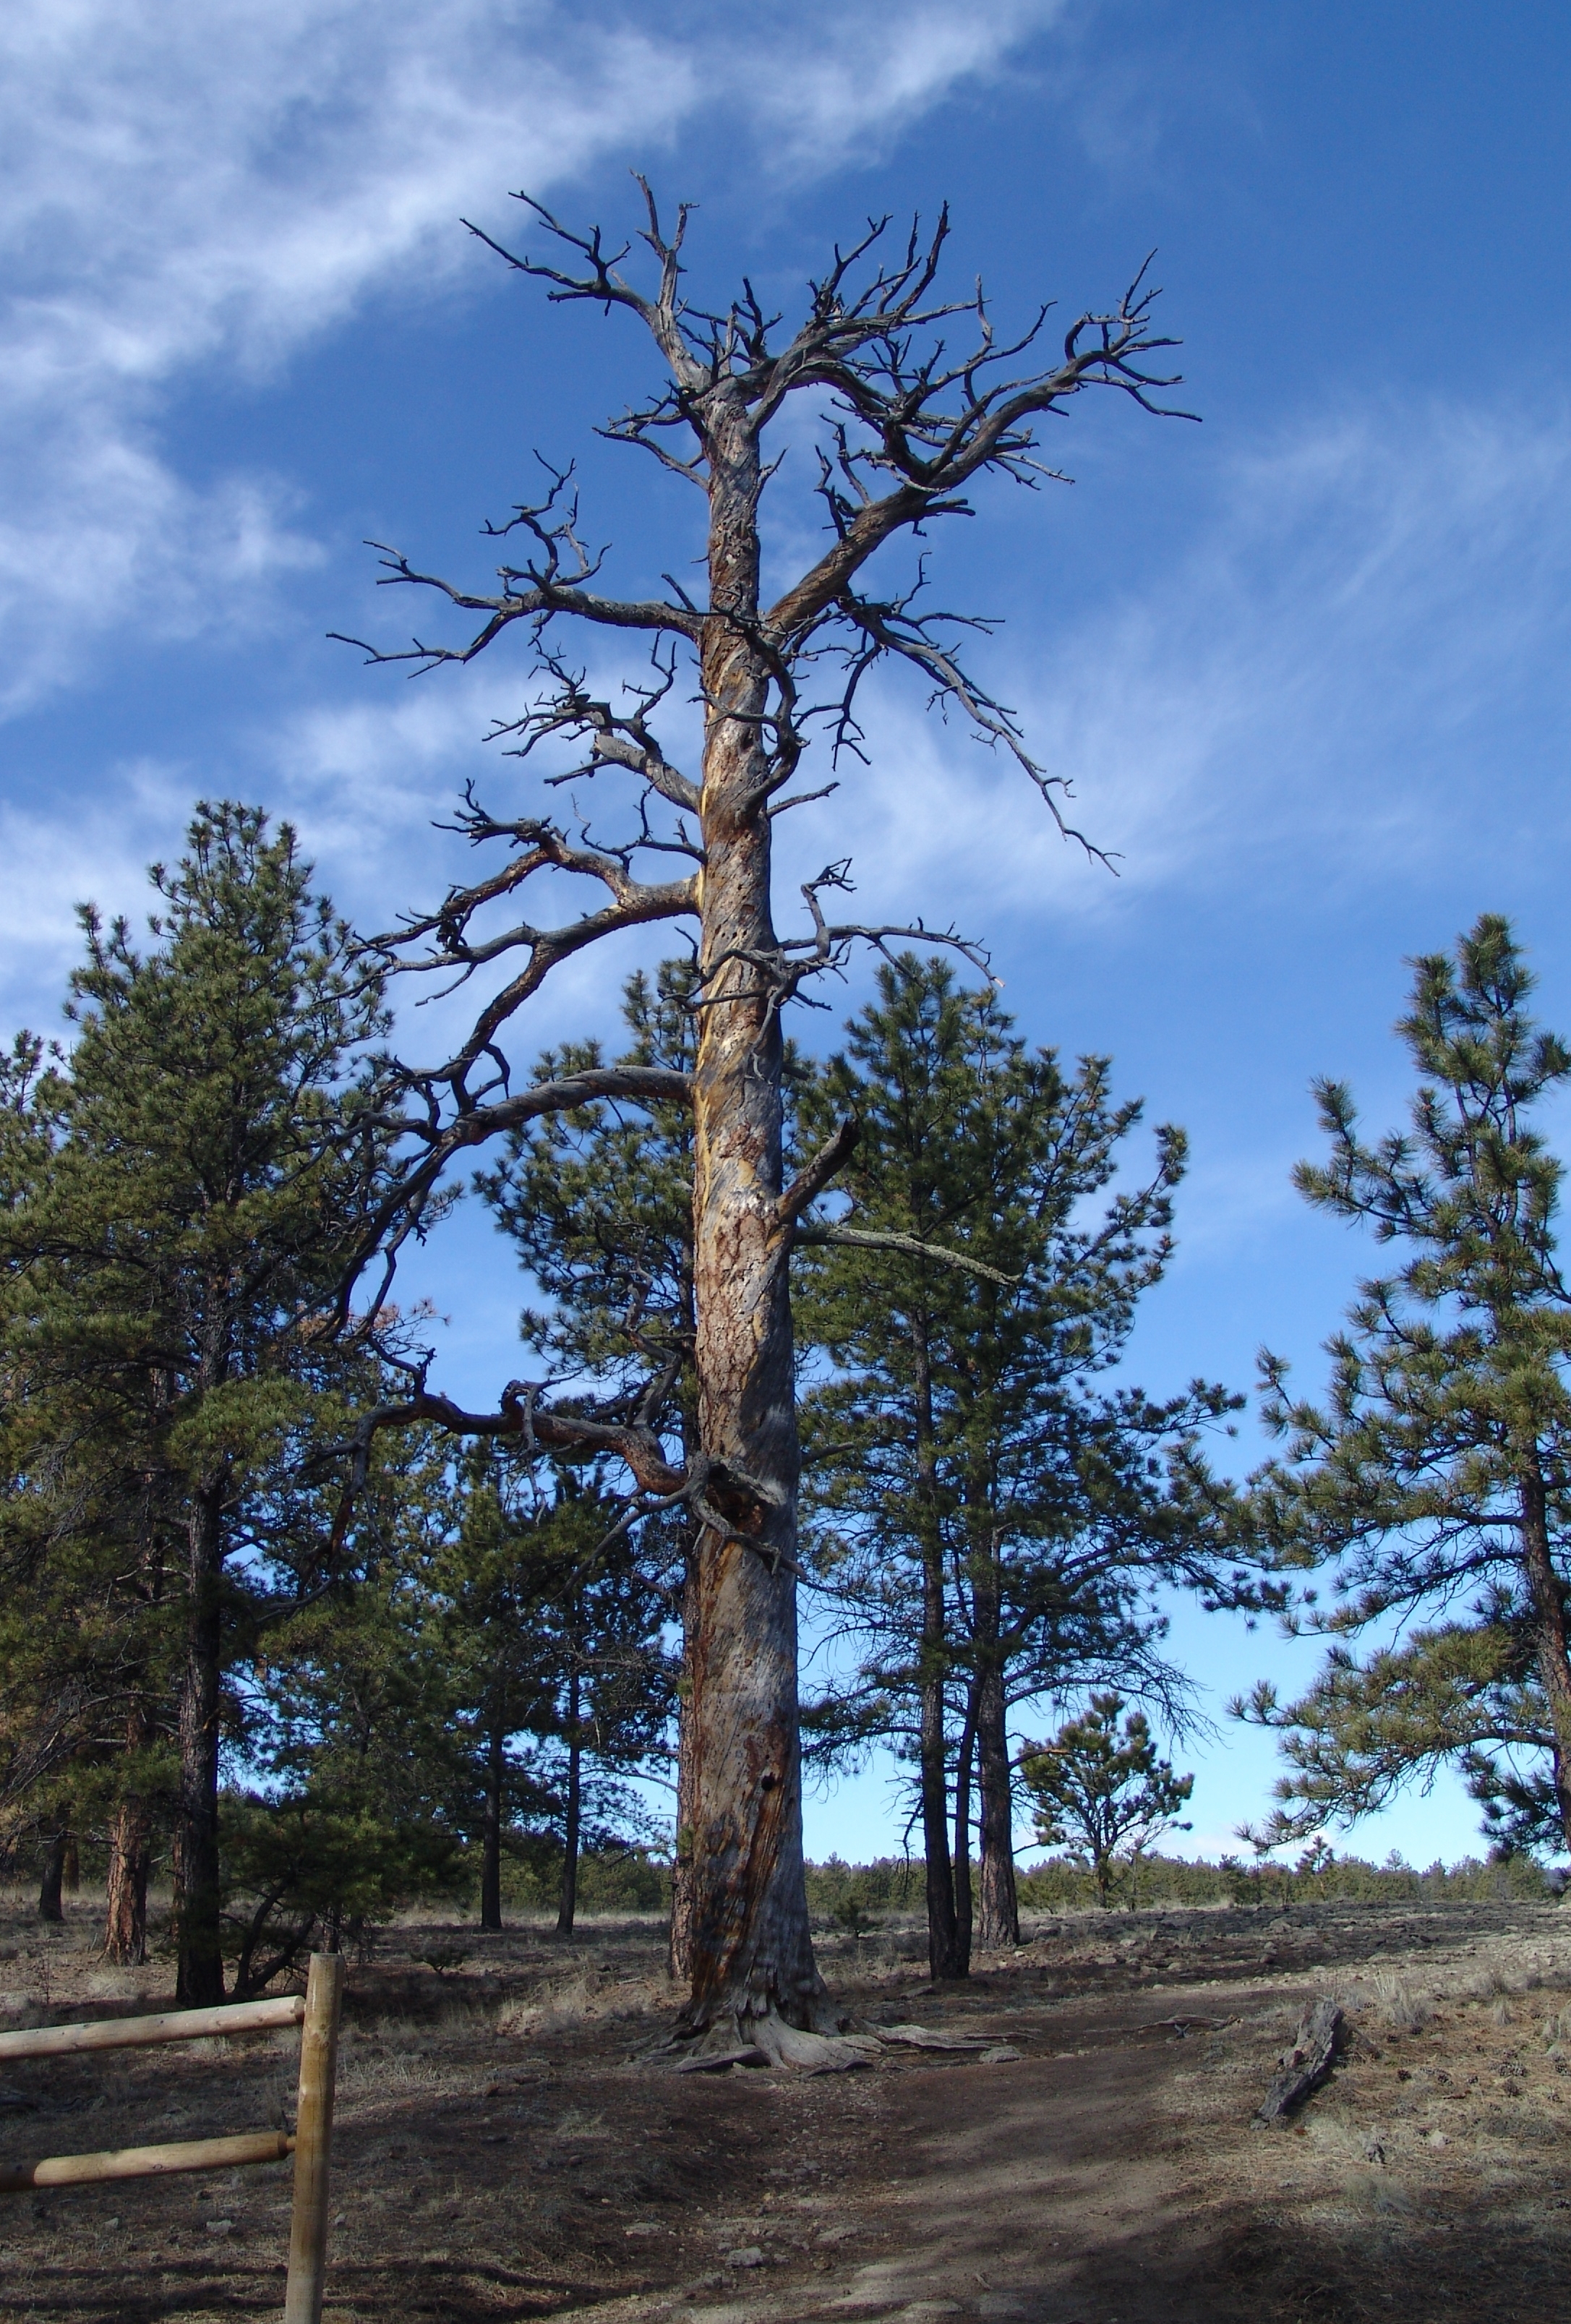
pixel 188 1182
pixel 599 1203
pixel 993 1520
pixel 1437 1471
pixel 1104 1796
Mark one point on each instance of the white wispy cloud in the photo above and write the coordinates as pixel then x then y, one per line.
pixel 213 190
pixel 1311 691
pixel 1330 672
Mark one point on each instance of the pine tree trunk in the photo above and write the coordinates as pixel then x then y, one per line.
pixel 130 1851
pixel 752 1950
pixel 126 1912
pixel 963 1859
pixel 945 1956
pixel 49 1907
pixel 199 1976
pixel 572 1820
pixel 682 1882
pixel 490 1834
pixel 1554 1661
pixel 1000 1912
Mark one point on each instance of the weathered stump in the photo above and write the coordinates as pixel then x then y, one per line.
pixel 1305 2064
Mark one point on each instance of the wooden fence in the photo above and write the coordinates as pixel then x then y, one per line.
pixel 317 2015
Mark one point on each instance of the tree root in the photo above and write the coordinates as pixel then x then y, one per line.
pixel 768 2040
pixel 836 2047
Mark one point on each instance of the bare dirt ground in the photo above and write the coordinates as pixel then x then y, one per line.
pixel 502 2153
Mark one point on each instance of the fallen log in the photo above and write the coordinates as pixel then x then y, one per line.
pixel 1305 2064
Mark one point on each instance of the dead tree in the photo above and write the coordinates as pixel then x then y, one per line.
pixel 908 428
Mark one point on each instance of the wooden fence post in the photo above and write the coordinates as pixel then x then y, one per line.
pixel 314 2140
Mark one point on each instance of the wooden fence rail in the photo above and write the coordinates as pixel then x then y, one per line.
pixel 317 2014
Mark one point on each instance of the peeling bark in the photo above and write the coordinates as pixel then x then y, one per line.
pixel 752 1950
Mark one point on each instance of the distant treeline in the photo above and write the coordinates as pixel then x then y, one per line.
pixel 864 1895
pixel 847 1892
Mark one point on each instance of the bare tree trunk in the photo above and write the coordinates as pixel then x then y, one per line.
pixel 490 1834
pixel 944 1955
pixel 572 1820
pixel 1554 1661
pixel 49 1907
pixel 1000 1914
pixel 752 1952
pixel 199 1976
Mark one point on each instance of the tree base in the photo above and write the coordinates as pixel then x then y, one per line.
pixel 744 2039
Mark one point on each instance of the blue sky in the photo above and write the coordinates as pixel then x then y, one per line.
pixel 1306 664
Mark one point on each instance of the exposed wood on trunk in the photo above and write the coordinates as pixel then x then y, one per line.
pixel 752 1950
pixel 1306 2062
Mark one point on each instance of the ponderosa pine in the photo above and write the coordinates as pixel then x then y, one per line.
pixel 908 429
pixel 1438 1468
pixel 200 1167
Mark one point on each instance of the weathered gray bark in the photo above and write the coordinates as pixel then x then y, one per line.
pixel 1304 2063
pixel 752 1950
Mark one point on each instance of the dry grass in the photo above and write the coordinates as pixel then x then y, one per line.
pixel 500 2156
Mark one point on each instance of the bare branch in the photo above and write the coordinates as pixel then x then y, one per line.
pixel 871 1238
pixel 814 1177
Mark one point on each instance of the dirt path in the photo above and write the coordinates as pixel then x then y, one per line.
pixel 502 2155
